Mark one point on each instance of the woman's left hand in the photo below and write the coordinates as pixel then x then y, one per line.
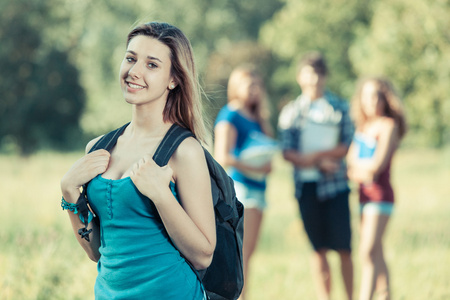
pixel 150 179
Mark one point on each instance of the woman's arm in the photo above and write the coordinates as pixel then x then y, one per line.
pixel 352 164
pixel 81 172
pixel 352 155
pixel 191 225
pixel 387 144
pixel 368 169
pixel 225 141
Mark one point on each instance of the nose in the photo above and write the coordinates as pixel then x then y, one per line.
pixel 135 71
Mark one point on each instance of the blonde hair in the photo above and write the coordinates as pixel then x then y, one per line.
pixel 184 103
pixel 393 104
pixel 261 111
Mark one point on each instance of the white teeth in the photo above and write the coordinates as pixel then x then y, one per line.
pixel 134 86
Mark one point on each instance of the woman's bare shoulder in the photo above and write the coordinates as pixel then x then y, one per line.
pixel 189 149
pixel 189 162
pixel 386 124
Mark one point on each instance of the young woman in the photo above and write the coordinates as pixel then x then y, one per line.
pixel 239 124
pixel 149 215
pixel 380 125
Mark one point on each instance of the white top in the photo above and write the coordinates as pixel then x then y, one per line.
pixel 318 134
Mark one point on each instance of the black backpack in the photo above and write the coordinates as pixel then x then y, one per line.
pixel 223 279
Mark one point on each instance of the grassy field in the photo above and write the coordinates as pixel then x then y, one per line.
pixel 40 259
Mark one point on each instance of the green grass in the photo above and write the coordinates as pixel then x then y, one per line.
pixel 40 258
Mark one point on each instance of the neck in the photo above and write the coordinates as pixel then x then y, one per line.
pixel 147 120
pixel 313 94
pixel 246 110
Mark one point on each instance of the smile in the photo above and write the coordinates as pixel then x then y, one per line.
pixel 134 86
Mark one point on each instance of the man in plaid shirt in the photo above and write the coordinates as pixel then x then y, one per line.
pixel 315 132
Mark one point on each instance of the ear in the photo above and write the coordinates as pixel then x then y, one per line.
pixel 172 85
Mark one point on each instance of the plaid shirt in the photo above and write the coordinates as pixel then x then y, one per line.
pixel 291 120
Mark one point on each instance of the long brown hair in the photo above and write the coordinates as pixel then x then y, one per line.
pixel 261 111
pixel 184 105
pixel 386 92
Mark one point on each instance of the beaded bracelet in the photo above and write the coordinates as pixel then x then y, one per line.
pixel 73 207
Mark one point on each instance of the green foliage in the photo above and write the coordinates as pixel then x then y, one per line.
pixel 59 59
pixel 325 26
pixel 409 42
pixel 41 96
pixel 213 28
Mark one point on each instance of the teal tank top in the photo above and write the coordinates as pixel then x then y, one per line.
pixel 138 260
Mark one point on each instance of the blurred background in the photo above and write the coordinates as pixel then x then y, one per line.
pixel 59 59
pixel 59 64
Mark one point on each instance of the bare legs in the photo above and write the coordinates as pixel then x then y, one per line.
pixel 375 276
pixel 347 272
pixel 322 275
pixel 252 224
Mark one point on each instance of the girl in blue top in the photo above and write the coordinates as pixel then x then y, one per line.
pixel 244 121
pixel 149 215
pixel 380 126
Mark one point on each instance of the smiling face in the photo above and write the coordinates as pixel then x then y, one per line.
pixel 145 71
pixel 371 103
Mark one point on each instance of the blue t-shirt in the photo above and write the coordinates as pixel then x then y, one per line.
pixel 245 128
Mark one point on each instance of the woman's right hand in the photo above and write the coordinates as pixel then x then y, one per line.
pixel 82 171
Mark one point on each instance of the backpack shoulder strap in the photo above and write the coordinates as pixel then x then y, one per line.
pixel 108 141
pixel 173 138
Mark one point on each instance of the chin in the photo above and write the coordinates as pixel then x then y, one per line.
pixel 129 100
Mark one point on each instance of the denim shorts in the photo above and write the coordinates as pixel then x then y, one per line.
pixel 250 197
pixel 327 223
pixel 376 208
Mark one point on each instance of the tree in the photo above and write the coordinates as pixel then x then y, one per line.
pixel 409 42
pixel 211 26
pixel 325 26
pixel 41 97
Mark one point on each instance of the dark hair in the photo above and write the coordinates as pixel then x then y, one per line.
pixel 183 105
pixel 316 60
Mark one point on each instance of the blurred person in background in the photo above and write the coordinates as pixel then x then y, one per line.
pixel 243 146
pixel 380 126
pixel 151 221
pixel 315 131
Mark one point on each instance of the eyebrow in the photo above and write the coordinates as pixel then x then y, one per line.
pixel 149 57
